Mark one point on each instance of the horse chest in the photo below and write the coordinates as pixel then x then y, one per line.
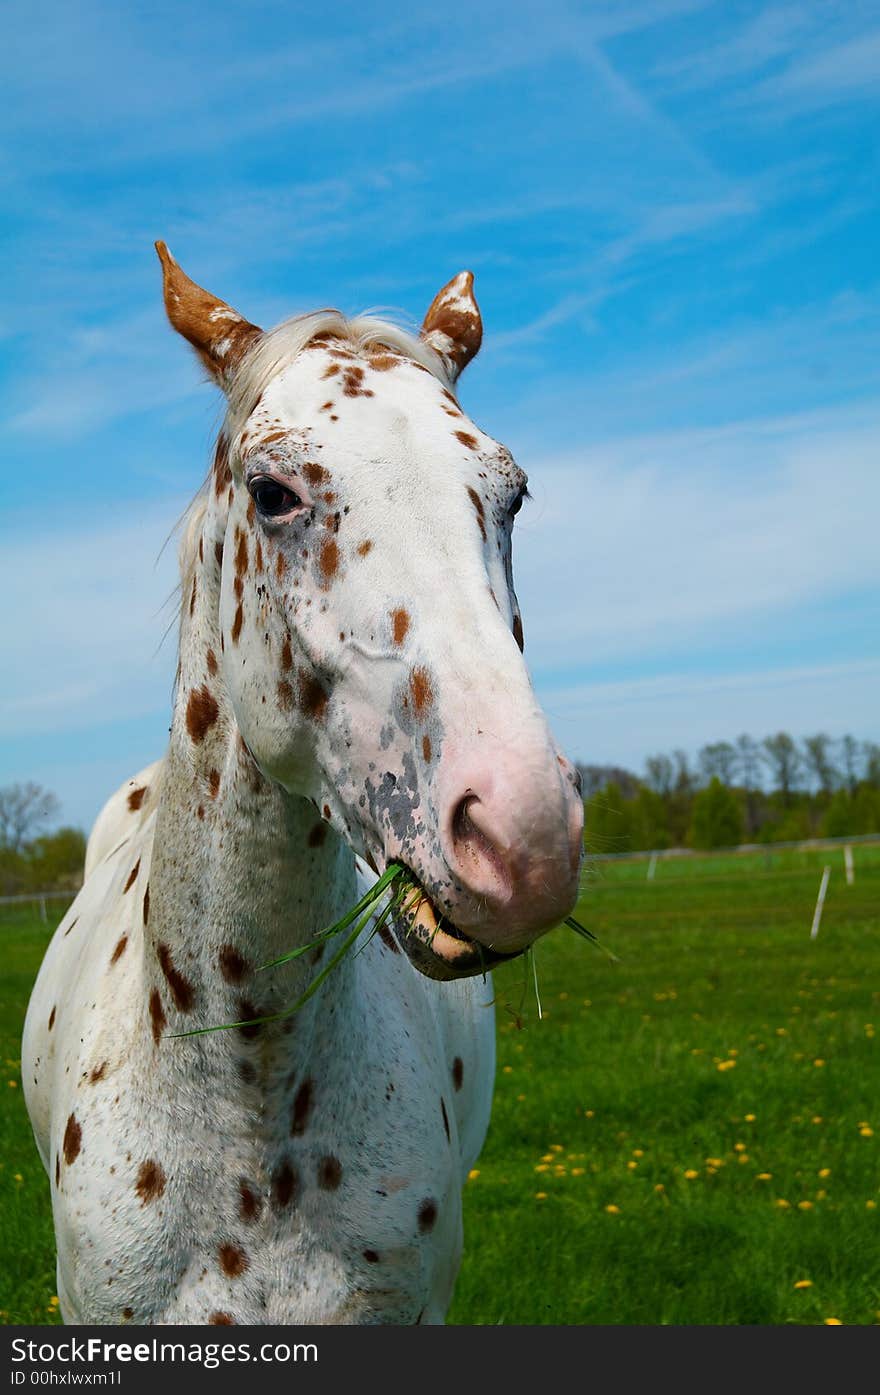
pixel 330 1193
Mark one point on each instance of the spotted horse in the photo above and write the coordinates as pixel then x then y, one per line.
pixel 350 691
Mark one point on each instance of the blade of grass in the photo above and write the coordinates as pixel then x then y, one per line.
pixel 388 876
pixel 588 935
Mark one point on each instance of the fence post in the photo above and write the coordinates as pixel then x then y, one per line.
pixel 817 914
pixel 652 867
pixel 43 915
pixel 848 864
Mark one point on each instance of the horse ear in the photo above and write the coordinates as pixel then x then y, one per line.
pixel 219 335
pixel 453 326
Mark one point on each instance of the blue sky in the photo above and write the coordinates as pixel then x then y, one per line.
pixel 671 211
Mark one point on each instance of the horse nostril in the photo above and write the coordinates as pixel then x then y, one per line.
pixel 479 862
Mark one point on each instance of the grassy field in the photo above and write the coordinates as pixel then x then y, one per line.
pixel 691 1135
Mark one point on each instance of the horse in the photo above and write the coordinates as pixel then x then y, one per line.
pixel 351 693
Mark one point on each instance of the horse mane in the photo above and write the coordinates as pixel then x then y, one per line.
pixel 274 351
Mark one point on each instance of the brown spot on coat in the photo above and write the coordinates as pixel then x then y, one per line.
pixel 280 565
pixel 330 371
pixel 467 439
pixel 218 552
pixel 72 1141
pixel 213 783
pixel 457 1072
pixel 247 1012
pixel 286 655
pixel 249 1204
pixel 136 797
pixel 302 1108
pixel 201 713
pixel 250 512
pixel 211 658
pixel 258 557
pixel 317 835
pixel 285 1185
pixel 329 1173
pixel 233 1260
pixel 132 877
pixel 147 904
pixel 233 966
pixel 238 621
pixel 157 1015
pixel 182 990
pixel 222 472
pixel 128 1314
pixel 364 548
pixel 426 748
pixel 427 1215
pixel 399 625
pixel 98 1073
pixel 285 695
pixel 312 697
pixel 314 473
pixel 150 1182
pixel 420 687
pixel 221 1320
pixel 119 949
pixel 241 552
pixel 481 513
pixel 328 560
pixel 51 1019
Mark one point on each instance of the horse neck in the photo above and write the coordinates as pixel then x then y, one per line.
pixel 241 871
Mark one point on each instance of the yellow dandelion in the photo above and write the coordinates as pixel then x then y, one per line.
pixel 473 1174
pixel 613 1210
pixel 588 1113
pixel 818 1061
pixel 712 1171
pixel 13 1084
pixel 871 1205
pixel 782 1203
pixel 750 1118
pixel 764 1176
pixel 816 1119
pixel 540 1196
pixel 866 1132
pixel 821 1194
pixel 638 1152
pixel 520 1098
pixel 725 1065
pixel 547 1157
pixel 824 1172
pixel 53 1301
pixel 542 1167
pixel 804 1283
pixel 805 1205
pixel 833 1322
pixel 715 1162
pixel 690 1174
pixel 743 1158
pixel 556 1148
pixel 659 1187
pixel 739 1147
pixel 508 1070
pixel 632 1165
pixel 781 1032
pixel 18 1177
pixel 578 1171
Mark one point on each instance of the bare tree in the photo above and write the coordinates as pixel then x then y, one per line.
pixel 817 758
pixel 749 756
pixel 660 774
pixel 685 778
pixel 718 759
pixel 784 759
pixel 872 764
pixel 595 777
pixel 849 755
pixel 24 809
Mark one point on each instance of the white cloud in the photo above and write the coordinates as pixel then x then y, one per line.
pixel 647 546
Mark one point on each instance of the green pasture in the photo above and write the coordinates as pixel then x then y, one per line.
pixel 690 1135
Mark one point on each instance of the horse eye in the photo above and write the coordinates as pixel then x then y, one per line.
pixel 518 502
pixel 271 498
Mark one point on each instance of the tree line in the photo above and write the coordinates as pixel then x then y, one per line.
pixel 30 859
pixel 744 791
